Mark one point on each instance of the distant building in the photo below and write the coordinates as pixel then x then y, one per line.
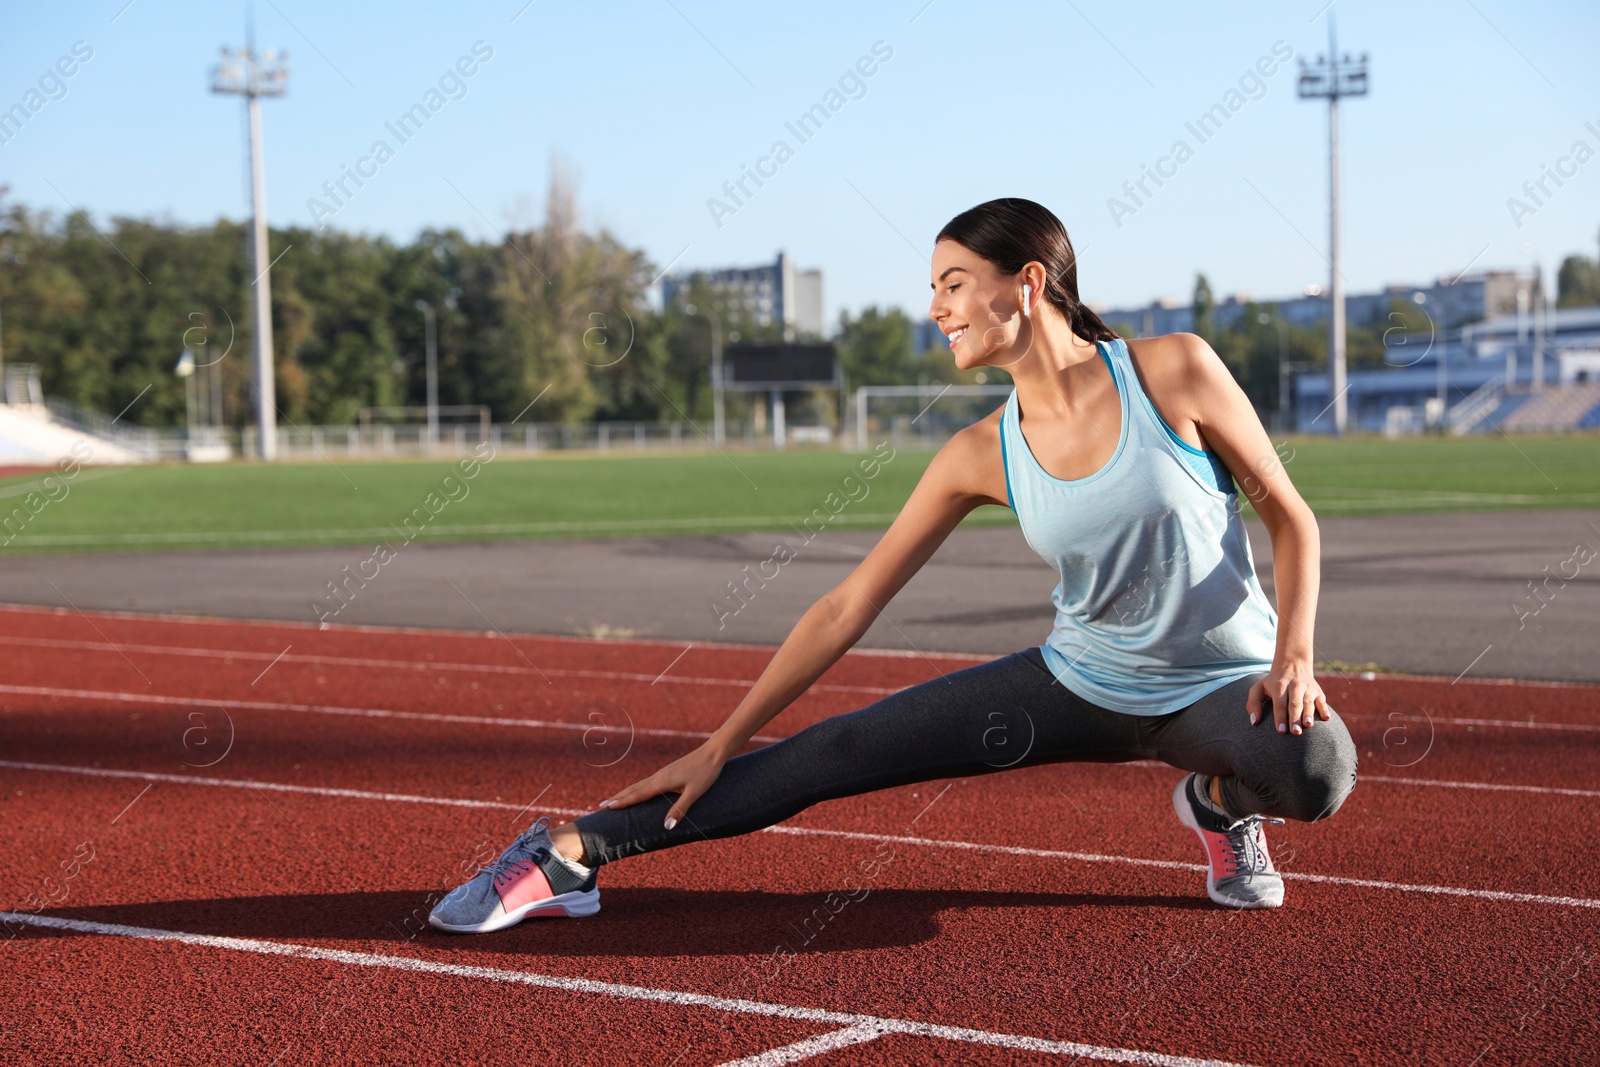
pixel 775 293
pixel 1449 302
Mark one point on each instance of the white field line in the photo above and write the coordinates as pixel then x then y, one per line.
pixel 809 831
pixel 556 724
pixel 1344 498
pixel 38 483
pixel 330 709
pixel 879 1024
pixel 411 665
pixel 811 1046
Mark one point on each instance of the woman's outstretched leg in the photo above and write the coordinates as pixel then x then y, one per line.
pixel 1005 713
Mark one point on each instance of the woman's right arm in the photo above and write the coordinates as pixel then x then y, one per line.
pixel 964 474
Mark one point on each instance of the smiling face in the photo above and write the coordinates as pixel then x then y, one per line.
pixel 978 308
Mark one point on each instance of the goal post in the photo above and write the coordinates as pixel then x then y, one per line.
pixel 930 412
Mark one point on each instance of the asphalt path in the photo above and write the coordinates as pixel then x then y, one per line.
pixel 1478 595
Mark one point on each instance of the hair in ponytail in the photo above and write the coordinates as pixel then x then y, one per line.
pixel 1011 233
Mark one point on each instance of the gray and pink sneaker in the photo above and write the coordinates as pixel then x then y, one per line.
pixel 528 880
pixel 1240 872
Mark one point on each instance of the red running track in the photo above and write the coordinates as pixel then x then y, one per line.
pixel 222 838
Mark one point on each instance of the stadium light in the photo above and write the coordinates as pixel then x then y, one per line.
pixel 1329 79
pixel 252 77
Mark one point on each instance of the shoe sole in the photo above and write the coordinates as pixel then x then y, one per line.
pixel 572 905
pixel 1180 804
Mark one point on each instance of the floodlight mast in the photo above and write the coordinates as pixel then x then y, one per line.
pixel 253 76
pixel 1329 79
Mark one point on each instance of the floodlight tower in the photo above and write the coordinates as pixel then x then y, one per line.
pixel 253 76
pixel 1330 78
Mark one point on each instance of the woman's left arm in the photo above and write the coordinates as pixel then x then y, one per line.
pixel 1229 425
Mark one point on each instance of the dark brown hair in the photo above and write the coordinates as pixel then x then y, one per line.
pixel 1011 233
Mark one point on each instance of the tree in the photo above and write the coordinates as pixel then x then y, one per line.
pixel 1204 303
pixel 1578 282
pixel 875 349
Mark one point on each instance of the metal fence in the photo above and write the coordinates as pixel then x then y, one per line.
pixel 902 424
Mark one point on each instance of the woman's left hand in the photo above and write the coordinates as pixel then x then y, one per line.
pixel 1297 700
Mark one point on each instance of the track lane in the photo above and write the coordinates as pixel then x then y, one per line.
pixel 1507 978
pixel 1120 958
pixel 1434 836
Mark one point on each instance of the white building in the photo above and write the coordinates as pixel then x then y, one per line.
pixel 1451 302
pixel 777 292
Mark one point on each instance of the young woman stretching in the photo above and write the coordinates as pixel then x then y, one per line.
pixel 1120 461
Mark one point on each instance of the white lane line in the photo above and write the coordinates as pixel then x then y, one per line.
pixel 275 787
pixel 1515 723
pixel 630 676
pixel 653 731
pixel 417 665
pixel 1494 787
pixel 1437 720
pixel 811 1046
pixel 880 1024
pixel 413 633
pixel 1490 787
pixel 810 831
pixel 549 724
pixel 332 709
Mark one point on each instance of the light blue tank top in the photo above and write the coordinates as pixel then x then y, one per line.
pixel 1158 602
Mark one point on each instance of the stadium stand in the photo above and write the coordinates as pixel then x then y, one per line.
pixel 1554 409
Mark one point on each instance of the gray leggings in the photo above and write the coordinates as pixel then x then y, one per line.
pixel 1009 712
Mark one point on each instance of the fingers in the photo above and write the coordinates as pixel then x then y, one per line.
pixel 632 794
pixel 1252 703
pixel 1305 706
pixel 1294 713
pixel 680 807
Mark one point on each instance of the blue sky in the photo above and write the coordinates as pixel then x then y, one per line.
pixel 656 103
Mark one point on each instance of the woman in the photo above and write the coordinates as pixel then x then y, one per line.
pixel 1120 460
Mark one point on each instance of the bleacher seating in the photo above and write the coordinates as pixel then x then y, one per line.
pixel 1554 408
pixel 1509 403
pixel 30 437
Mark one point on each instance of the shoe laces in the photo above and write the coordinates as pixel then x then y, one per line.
pixel 1247 846
pixel 522 850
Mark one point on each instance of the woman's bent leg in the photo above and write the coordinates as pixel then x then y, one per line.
pixel 1005 713
pixel 1260 771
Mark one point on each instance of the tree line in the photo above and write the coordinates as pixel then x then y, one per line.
pixel 552 313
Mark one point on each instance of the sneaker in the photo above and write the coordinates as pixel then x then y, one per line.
pixel 528 879
pixel 1240 873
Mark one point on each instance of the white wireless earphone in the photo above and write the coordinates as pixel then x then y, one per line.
pixel 1027 298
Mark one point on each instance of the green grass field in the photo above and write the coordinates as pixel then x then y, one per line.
pixel 185 507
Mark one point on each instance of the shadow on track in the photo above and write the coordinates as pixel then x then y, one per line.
pixel 632 922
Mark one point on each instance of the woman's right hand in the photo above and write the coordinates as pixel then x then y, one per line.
pixel 689 776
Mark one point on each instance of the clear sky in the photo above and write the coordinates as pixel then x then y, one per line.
pixel 656 103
